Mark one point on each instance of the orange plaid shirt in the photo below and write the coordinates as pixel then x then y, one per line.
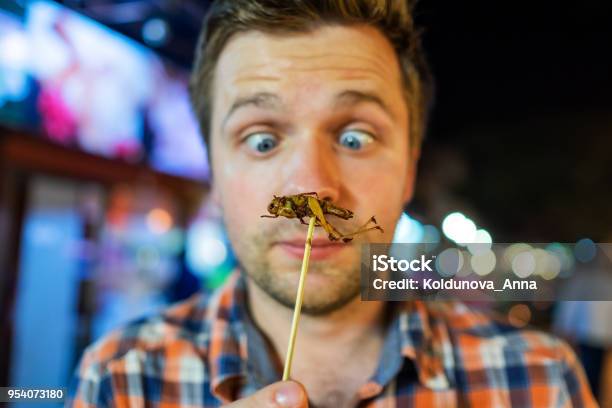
pixel 195 355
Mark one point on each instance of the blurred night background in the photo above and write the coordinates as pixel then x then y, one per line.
pixel 103 189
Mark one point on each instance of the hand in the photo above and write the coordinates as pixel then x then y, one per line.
pixel 282 394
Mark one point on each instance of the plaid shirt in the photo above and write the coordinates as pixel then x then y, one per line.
pixel 195 355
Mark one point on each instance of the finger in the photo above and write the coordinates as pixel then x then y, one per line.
pixel 285 394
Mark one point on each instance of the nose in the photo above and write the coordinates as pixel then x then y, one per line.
pixel 312 167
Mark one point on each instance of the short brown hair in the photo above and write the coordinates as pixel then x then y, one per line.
pixel 393 18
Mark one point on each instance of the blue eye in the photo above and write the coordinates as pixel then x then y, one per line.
pixel 261 142
pixel 355 139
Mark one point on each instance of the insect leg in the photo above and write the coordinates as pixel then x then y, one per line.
pixel 362 230
pixel 372 219
pixel 314 206
pixel 348 237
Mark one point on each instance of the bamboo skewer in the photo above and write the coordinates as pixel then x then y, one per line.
pixel 298 300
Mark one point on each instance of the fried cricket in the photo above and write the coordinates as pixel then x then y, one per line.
pixel 310 205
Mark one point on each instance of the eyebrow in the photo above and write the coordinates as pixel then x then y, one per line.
pixel 264 100
pixel 351 97
pixel 267 100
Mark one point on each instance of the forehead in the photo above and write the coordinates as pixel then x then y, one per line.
pixel 327 57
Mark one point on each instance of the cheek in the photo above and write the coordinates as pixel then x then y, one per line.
pixel 241 202
pixel 378 188
pixel 243 198
pixel 231 187
pixel 244 190
pixel 385 200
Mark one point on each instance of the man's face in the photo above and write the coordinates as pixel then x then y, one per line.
pixel 321 112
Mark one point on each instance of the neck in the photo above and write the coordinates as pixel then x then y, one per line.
pixel 356 326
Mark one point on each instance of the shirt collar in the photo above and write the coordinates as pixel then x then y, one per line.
pixel 423 339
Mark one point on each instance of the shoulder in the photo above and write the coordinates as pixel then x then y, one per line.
pixel 172 341
pixel 183 322
pixel 525 361
pixel 474 329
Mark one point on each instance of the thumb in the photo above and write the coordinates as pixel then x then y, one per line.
pixel 282 394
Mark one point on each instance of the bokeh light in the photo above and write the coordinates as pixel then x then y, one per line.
pixel 564 255
pixel 519 315
pixel 548 265
pixel 523 264
pixel 585 250
pixel 155 32
pixel 511 251
pixel 408 230
pixel 459 228
pixel 431 237
pixel 206 248
pixel 466 267
pixel 483 262
pixel 159 221
pixel 482 242
pixel 449 262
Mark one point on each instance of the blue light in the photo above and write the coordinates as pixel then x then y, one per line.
pixel 155 32
pixel 408 230
pixel 585 250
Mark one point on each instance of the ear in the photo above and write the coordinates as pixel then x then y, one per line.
pixel 414 155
